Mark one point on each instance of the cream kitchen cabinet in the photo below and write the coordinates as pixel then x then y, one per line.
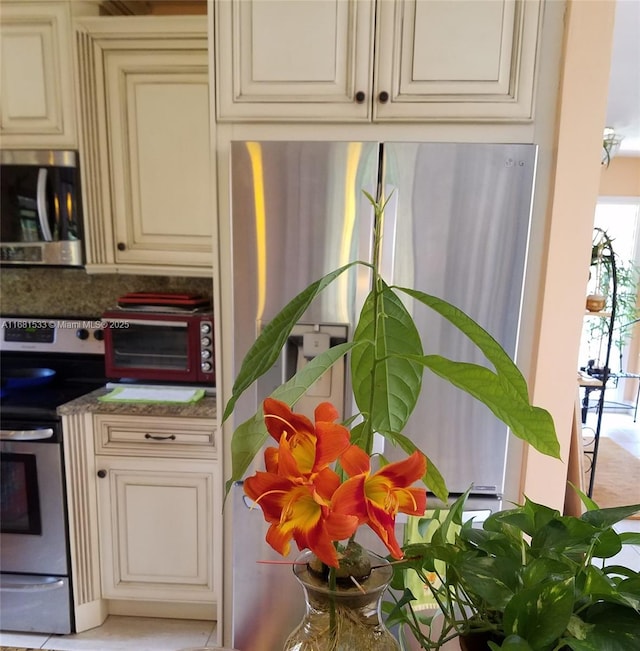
pixel 37 101
pixel 144 96
pixel 156 525
pixel 145 511
pixel 376 60
pixel 157 508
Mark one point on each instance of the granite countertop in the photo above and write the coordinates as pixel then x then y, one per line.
pixel 204 408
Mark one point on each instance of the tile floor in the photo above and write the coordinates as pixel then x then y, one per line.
pixel 621 428
pixel 147 634
pixel 124 634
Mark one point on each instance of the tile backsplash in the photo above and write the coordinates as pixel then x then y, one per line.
pixel 72 292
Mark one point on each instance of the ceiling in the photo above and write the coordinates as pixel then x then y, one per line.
pixel 623 108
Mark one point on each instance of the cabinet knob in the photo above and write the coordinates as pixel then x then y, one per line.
pixel 360 97
pixel 102 474
pixel 383 97
pixel 121 246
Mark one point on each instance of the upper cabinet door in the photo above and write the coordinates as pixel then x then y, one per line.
pixel 376 60
pixel 158 138
pixel 283 60
pixel 36 104
pixel 144 94
pixel 437 59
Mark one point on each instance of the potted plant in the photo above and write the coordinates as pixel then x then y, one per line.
pixel 324 479
pixel 601 257
pixel 530 579
pixel 615 288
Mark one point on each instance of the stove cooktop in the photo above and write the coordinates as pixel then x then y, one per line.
pixel 41 402
pixel 71 348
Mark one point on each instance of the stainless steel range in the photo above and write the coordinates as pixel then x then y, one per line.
pixel 44 363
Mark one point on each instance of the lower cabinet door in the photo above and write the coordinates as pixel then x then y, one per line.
pixel 156 520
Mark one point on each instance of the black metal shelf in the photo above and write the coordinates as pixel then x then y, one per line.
pixel 601 375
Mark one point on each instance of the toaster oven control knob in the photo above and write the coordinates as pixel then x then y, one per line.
pixel 82 333
pixel 205 328
pixel 205 354
pixel 205 342
pixel 206 366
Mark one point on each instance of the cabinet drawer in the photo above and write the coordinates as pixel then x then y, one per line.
pixel 148 436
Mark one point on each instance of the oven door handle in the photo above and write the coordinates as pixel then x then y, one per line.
pixel 18 584
pixel 26 434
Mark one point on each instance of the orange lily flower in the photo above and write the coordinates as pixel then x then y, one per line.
pixel 377 498
pixel 312 446
pixel 296 493
pixel 302 512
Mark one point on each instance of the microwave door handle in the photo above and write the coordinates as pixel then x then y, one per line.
pixel 41 198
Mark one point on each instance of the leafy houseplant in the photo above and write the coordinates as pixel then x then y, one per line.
pixel 617 281
pixel 324 481
pixel 386 363
pixel 527 581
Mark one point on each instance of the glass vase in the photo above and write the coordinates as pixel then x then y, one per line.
pixel 346 618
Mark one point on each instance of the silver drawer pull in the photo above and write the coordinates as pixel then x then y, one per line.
pixel 171 437
pixel 26 434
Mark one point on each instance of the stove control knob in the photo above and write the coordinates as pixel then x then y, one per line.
pixel 205 328
pixel 206 366
pixel 205 354
pixel 82 333
pixel 205 341
pixel 98 335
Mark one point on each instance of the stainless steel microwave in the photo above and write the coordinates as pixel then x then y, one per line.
pixel 41 210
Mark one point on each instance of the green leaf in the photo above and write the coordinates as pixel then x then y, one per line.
pixel 615 628
pixel 493 580
pixel 562 534
pixel 578 628
pixel 246 442
pixel 599 586
pixel 541 570
pixel 433 479
pixel 504 392
pixel 540 614
pixel 251 435
pixel 532 424
pixel 386 382
pixel 630 537
pixel 608 544
pixel 266 349
pixel 511 643
pixel 584 498
pixel 610 516
pixel 530 518
pixel 491 349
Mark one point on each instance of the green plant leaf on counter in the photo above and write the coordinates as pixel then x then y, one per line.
pixel 530 577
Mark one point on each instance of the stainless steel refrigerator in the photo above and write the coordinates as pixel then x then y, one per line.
pixel 456 226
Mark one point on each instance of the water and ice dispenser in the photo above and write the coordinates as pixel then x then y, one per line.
pixel 305 342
